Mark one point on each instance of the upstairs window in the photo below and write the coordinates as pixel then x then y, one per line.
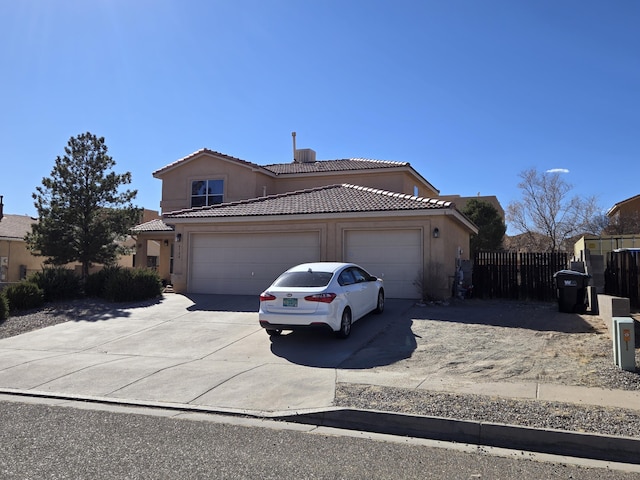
pixel 206 192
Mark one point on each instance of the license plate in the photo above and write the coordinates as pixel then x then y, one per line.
pixel 289 302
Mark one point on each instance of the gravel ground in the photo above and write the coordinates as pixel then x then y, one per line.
pixel 489 341
pixel 587 362
pixel 529 413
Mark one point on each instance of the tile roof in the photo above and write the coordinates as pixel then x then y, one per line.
pixel 156 225
pixel 16 226
pixel 328 199
pixel 344 164
pixel 332 166
pixel 201 151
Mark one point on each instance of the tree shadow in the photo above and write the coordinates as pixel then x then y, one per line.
pixel 84 309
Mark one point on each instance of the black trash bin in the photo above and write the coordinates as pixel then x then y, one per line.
pixel 571 288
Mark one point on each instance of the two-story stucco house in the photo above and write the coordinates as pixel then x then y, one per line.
pixel 230 226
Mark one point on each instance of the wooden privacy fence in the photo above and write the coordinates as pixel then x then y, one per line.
pixel 622 276
pixel 517 276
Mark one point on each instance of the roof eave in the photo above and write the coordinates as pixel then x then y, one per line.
pixel 317 216
pixel 161 172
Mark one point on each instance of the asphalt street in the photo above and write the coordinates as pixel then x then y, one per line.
pixel 41 441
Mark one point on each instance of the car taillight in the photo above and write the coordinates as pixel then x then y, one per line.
pixel 265 297
pixel 321 297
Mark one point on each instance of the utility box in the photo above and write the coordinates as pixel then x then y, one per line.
pixel 624 348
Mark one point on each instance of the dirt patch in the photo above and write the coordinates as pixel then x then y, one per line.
pixel 487 341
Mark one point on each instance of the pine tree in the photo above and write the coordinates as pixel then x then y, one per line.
pixel 81 208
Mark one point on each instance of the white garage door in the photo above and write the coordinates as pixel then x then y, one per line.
pixel 246 264
pixel 394 255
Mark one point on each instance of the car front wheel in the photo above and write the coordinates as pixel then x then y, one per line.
pixel 345 324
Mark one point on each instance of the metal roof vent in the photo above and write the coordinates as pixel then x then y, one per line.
pixel 305 155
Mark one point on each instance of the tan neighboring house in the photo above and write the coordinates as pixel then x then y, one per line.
pixel 230 226
pixel 604 244
pixel 17 262
pixel 626 208
pixel 461 202
pixel 594 251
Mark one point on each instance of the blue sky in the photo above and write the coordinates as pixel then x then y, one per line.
pixel 470 92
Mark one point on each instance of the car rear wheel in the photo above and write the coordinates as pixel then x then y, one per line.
pixel 345 324
pixel 380 304
pixel 273 332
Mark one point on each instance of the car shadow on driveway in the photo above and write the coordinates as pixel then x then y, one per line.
pixel 375 340
pixel 538 316
pixel 223 303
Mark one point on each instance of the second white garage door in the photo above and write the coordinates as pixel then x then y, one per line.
pixel 246 264
pixel 394 255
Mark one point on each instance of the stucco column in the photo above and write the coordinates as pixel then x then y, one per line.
pixel 141 253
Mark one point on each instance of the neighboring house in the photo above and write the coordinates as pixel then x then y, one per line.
pixel 17 261
pixel 594 251
pixel 461 202
pixel 230 226
pixel 624 216
pixel 628 210
pixel 630 206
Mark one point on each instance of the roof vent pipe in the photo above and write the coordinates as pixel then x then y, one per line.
pixel 1 207
pixel 293 135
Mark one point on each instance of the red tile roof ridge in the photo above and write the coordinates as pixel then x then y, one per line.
pixel 361 159
pixel 443 203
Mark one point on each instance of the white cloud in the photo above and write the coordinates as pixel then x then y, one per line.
pixel 558 170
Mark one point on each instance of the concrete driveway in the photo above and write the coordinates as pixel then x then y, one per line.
pixel 200 350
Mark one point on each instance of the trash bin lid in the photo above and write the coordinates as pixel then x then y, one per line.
pixel 571 272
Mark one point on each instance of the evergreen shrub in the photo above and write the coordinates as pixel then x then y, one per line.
pixel 124 285
pixel 4 307
pixel 23 296
pixel 58 283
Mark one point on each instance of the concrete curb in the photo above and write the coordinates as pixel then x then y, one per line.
pixel 558 442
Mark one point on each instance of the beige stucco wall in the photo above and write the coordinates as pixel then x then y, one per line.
pixel 242 182
pixel 603 245
pixel 629 207
pixel 439 254
pixel 17 254
pixel 393 181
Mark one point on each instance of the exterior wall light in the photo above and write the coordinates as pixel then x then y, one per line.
pixel 436 232
pixel 178 237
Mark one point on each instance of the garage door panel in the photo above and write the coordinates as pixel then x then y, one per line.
pixel 394 255
pixel 245 264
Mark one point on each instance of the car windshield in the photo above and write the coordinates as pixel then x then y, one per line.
pixel 303 279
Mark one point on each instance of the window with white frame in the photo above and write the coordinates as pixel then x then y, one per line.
pixel 206 192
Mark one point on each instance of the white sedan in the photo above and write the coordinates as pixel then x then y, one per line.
pixel 326 295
